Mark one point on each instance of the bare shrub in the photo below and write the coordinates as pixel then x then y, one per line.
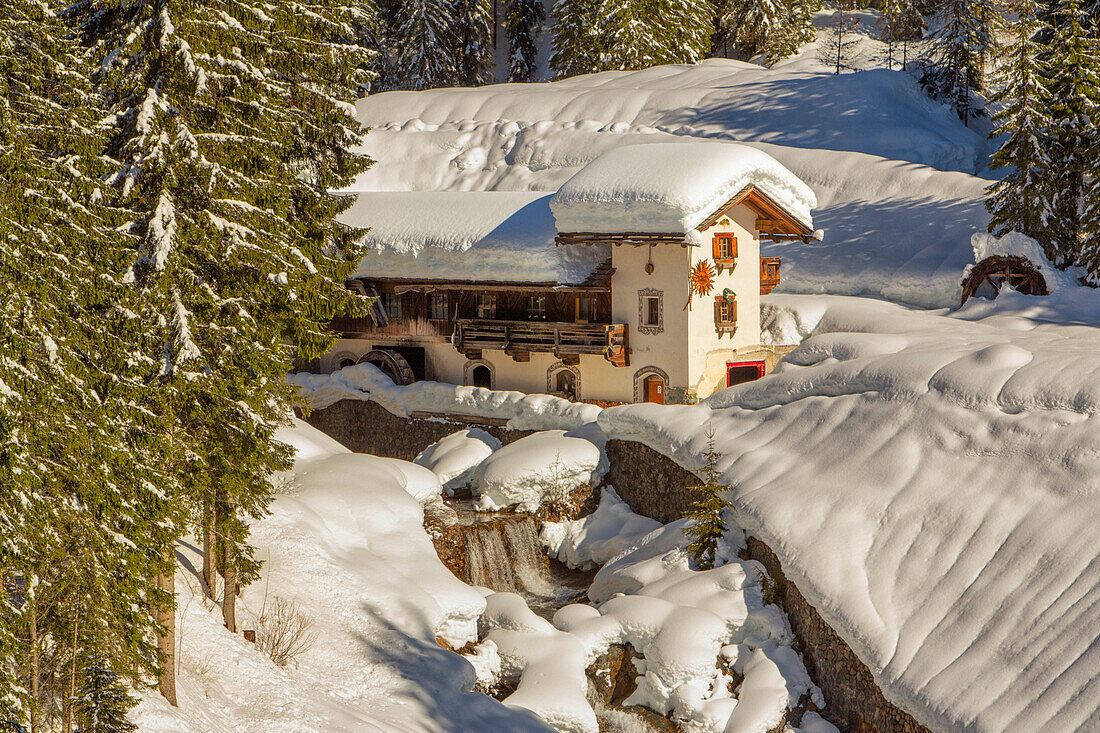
pixel 283 632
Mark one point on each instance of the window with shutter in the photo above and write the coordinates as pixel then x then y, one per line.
pixel 725 314
pixel 725 248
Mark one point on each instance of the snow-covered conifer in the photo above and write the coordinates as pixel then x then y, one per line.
pixel 707 511
pixel 472 30
pixel 1016 202
pixel 102 701
pixel 1071 206
pixel 954 62
pixel 230 122
pixel 425 41
pixel 774 27
pixel 522 21
pixel 902 24
pixel 575 38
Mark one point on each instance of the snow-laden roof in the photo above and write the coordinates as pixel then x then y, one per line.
pixel 670 187
pixel 479 236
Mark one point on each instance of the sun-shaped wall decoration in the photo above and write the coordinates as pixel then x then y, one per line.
pixel 701 279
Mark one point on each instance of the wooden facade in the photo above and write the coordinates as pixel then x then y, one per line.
pixel 518 318
pixel 769 274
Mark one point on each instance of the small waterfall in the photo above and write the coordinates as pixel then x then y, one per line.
pixel 504 554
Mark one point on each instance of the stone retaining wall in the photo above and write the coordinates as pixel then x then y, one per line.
pixel 657 487
pixel 367 427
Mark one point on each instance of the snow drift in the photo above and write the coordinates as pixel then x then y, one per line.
pixel 931 484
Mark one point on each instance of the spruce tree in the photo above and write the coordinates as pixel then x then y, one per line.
pixel 425 39
pixel 1016 202
pixel 902 24
pixel 472 28
pixel 229 124
pixel 102 701
pixel 773 27
pixel 954 63
pixel 576 38
pixel 83 507
pixel 522 20
pixel 1071 199
pixel 707 511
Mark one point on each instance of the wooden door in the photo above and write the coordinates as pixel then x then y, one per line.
pixel 655 390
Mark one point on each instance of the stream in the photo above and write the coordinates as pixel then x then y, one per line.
pixel 503 553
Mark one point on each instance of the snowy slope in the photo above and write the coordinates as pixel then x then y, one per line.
pixel 345 544
pixel 932 484
pixel 890 168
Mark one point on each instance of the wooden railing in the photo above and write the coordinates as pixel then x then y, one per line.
pixel 769 274
pixel 561 339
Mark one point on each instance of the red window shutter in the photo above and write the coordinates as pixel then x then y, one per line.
pixel 717 248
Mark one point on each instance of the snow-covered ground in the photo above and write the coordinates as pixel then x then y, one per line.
pixel 931 482
pixel 345 545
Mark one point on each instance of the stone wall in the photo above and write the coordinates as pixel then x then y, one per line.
pixel 657 487
pixel 367 427
pixel 651 484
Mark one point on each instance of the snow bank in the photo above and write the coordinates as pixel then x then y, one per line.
pixel 682 621
pixel 541 467
pixel 595 539
pixel 499 235
pixel 671 187
pixel 930 484
pixel 345 546
pixel 367 382
pixel 454 458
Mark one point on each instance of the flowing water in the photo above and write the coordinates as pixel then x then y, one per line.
pixel 503 553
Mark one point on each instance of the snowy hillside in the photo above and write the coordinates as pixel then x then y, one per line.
pixel 891 169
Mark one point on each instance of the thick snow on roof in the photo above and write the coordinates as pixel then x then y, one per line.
pixel 932 485
pixel 482 236
pixel 672 187
pixel 881 157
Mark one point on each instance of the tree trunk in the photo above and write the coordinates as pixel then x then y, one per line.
pixel 67 705
pixel 36 724
pixel 229 599
pixel 209 574
pixel 167 640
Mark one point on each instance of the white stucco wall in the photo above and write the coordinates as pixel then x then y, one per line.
pixel 707 349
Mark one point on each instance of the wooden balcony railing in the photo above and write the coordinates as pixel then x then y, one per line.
pixel 561 339
pixel 769 274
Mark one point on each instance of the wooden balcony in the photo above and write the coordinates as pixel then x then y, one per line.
pixel 564 340
pixel 769 274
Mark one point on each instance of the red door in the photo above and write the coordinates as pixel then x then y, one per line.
pixel 655 390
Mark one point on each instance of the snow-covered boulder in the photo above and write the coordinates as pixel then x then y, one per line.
pixel 540 467
pixel 600 536
pixel 455 458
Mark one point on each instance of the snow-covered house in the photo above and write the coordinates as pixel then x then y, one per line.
pixel 638 280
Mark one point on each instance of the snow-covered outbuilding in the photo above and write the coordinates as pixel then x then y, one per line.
pixel 638 280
